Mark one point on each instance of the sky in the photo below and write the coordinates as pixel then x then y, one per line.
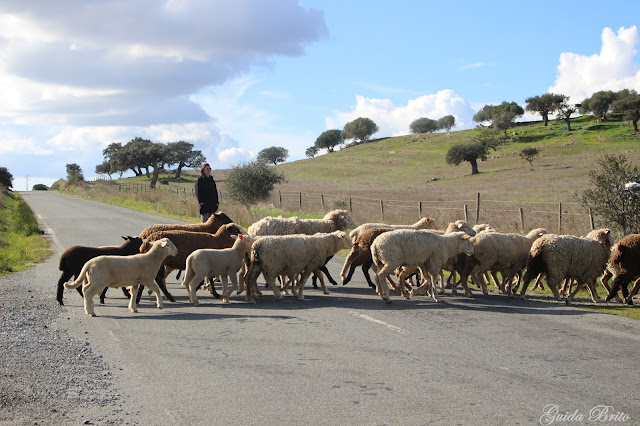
pixel 233 78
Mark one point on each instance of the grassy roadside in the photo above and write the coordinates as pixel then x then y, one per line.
pixel 21 244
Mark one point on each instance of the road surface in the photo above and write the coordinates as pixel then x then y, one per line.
pixel 344 358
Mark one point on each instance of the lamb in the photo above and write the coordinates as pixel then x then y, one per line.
pixel 187 243
pixel 335 220
pixel 427 250
pixel 567 256
pixel 74 258
pixel 625 263
pixel 291 255
pixel 422 223
pixel 123 271
pixel 505 253
pixel 204 263
pixel 214 222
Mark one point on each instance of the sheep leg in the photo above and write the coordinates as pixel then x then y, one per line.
pixel 212 287
pixel 133 304
pixel 225 283
pixel 605 282
pixel 554 288
pixel 192 288
pixel 634 291
pixel 352 268
pixel 160 280
pixel 442 283
pixel 89 292
pixel 592 290
pixel 365 271
pixel 617 282
pixel 381 284
pixel 271 283
pixel 322 286
pixel 152 286
pixel 63 279
pixel 300 285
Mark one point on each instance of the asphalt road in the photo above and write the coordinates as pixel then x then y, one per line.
pixel 344 358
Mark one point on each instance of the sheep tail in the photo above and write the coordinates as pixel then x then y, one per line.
pixel 78 282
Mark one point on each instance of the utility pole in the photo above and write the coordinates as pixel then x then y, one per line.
pixel 27 183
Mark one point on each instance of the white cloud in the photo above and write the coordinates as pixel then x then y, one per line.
pixel 395 120
pixel 233 157
pixel 612 69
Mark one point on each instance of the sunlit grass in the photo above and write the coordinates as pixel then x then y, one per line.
pixel 21 244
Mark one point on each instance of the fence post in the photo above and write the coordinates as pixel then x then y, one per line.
pixel 350 205
pixel 559 218
pixel 522 219
pixel 591 220
pixel 280 198
pixel 478 209
pixel 382 209
pixel 322 201
pixel 300 201
pixel 466 213
pixel 419 209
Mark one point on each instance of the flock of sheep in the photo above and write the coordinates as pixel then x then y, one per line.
pixel 292 249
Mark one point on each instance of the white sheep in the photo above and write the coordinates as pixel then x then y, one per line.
pixel 336 220
pixel 427 250
pixel 422 223
pixel 566 256
pixel 504 253
pixel 450 265
pixel 290 255
pixel 204 263
pixel 123 271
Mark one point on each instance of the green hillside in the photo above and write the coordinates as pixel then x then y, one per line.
pixel 406 166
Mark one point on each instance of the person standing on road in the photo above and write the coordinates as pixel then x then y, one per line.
pixel 206 192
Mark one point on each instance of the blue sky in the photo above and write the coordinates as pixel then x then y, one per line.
pixel 236 77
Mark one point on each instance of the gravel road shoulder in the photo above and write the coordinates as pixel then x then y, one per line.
pixel 49 377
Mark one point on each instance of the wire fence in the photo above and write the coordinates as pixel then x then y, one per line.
pixel 505 216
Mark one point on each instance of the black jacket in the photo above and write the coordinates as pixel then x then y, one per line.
pixel 207 194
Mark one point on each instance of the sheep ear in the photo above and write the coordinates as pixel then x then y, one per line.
pixel 124 238
pixel 235 237
pixel 465 237
pixel 163 243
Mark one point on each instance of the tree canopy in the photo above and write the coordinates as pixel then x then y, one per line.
pixel 564 112
pixel 423 125
pixel 6 178
pixel 608 198
pixel 477 149
pixel 447 122
pixel 361 129
pixel 311 151
pixel 500 116
pixel 628 103
pixel 273 155
pixel 545 104
pixel 250 183
pixel 74 173
pixel 182 155
pixel 143 156
pixel 599 103
pixel 329 139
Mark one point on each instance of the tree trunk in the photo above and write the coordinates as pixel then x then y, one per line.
pixel 179 171
pixel 635 125
pixel 545 117
pixel 474 167
pixel 568 124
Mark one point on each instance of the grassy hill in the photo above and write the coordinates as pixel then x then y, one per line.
pixel 406 166
pixel 405 170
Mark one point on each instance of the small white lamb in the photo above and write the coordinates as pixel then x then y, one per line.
pixel 226 263
pixel 123 271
